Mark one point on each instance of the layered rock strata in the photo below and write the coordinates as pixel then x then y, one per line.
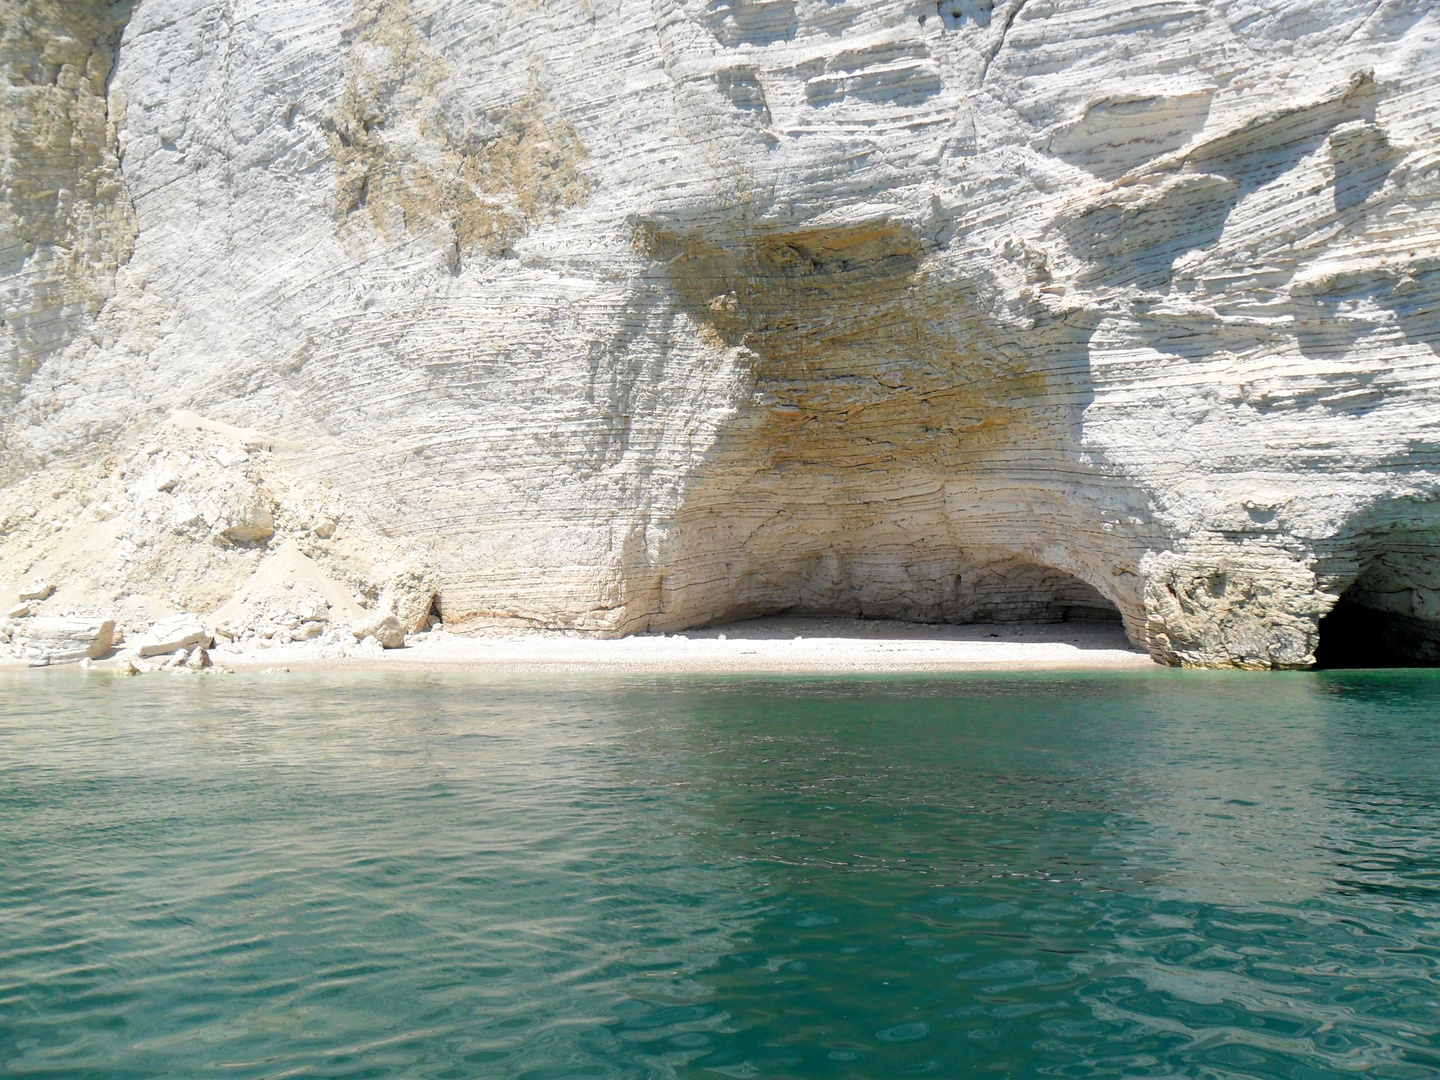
pixel 646 314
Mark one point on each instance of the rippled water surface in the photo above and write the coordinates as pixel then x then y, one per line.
pixel 1151 874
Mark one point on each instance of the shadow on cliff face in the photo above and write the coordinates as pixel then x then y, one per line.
pixel 1390 614
pixel 1333 311
pixel 1356 636
pixel 1133 235
pixel 909 450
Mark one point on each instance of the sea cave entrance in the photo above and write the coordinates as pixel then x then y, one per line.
pixel 948 587
pixel 1016 590
pixel 1389 616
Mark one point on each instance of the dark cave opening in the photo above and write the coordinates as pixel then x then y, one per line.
pixel 1102 612
pixel 866 585
pixel 1014 590
pixel 1354 635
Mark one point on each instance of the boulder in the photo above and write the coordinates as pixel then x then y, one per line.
pixel 366 647
pixel 57 640
pixel 410 597
pixel 171 633
pixel 387 630
pixel 307 630
pixel 250 523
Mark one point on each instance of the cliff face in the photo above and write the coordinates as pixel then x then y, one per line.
pixel 626 314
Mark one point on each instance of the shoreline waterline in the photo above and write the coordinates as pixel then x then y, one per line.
pixel 776 644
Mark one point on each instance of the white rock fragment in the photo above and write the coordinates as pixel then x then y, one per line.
pixel 171 633
pixel 312 608
pixel 60 640
pixel 19 611
pixel 228 456
pixel 368 646
pixel 40 590
pixel 251 522
pixel 387 630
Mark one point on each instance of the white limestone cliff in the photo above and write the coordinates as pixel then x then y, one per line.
pixel 609 315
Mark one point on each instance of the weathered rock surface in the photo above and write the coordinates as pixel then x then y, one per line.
pixel 654 313
pixel 386 630
pixel 44 641
pixel 170 635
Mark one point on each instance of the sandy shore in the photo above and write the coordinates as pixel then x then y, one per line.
pixel 778 644
pixel 761 645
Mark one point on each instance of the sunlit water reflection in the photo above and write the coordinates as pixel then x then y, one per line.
pixel 1150 874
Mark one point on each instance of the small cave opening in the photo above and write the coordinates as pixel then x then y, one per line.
pixel 954 13
pixel 1389 616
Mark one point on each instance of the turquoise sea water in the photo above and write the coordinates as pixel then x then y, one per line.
pixel 1150 874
